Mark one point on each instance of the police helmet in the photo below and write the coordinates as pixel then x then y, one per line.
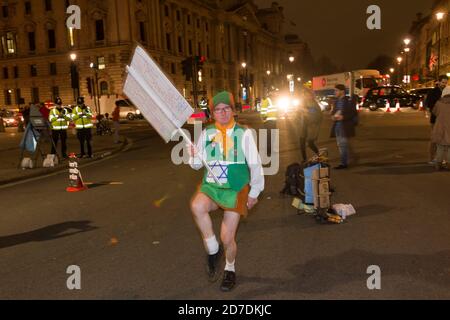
pixel 80 100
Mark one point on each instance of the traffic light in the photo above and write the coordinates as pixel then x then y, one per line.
pixel 187 68
pixel 200 60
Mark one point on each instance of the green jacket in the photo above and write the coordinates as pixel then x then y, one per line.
pixel 82 118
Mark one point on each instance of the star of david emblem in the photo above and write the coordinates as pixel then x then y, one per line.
pixel 220 170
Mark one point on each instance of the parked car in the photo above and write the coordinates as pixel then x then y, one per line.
pixel 378 97
pixel 11 119
pixel 129 111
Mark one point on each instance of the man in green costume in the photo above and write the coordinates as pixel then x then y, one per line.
pixel 231 152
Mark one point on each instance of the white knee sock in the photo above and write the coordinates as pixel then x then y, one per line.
pixel 212 246
pixel 230 266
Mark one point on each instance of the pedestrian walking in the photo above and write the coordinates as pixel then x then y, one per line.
pixel 310 116
pixel 441 130
pixel 116 122
pixel 59 119
pixel 344 115
pixel 82 116
pixel 231 151
pixel 431 100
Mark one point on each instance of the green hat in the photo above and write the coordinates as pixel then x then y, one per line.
pixel 224 97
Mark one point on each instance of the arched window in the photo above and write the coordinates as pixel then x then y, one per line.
pixel 104 89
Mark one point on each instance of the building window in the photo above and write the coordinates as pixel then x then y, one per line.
pixel 27 7
pixel 199 49
pixel 55 93
pixel 168 42
pixel 5 73
pixel 18 97
pixel 5 11
pixel 8 97
pixel 101 63
pixel 104 91
pixel 190 47
pixel 51 39
pixel 207 50
pixel 178 15
pixel 172 68
pixel 35 95
pixel 71 37
pixel 33 70
pixel 16 72
pixel 48 5
pixel 9 43
pixel 142 33
pixel 198 23
pixel 180 45
pixel 99 30
pixel 166 11
pixel 206 26
pixel 53 71
pixel 189 19
pixel 31 41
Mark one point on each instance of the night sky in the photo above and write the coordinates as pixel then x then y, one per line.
pixel 338 28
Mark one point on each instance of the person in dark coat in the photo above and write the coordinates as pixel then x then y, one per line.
pixel 344 115
pixel 310 121
pixel 430 102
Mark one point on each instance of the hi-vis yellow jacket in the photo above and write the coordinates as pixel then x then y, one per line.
pixel 269 112
pixel 82 117
pixel 59 119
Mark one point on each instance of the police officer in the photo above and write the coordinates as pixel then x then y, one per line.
pixel 269 114
pixel 59 119
pixel 82 116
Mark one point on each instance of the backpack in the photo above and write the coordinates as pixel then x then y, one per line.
pixel 294 184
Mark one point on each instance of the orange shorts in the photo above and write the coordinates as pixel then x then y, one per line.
pixel 241 203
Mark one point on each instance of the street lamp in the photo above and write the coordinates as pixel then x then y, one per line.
pixel 245 92
pixel 268 72
pixel 291 59
pixel 406 63
pixel 439 17
pixel 74 75
pixel 399 60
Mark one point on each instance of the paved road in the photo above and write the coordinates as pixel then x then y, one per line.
pixel 136 240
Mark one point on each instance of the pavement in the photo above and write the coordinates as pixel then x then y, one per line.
pixel 10 171
pixel 133 237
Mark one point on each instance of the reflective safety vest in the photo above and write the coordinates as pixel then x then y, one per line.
pixel 59 119
pixel 269 112
pixel 82 117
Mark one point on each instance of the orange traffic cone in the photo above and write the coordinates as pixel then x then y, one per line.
pixel 76 183
pixel 397 107
pixel 388 107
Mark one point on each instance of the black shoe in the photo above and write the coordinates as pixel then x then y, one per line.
pixel 213 265
pixel 229 281
pixel 341 167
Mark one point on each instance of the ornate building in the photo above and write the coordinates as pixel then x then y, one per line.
pixel 40 55
pixel 430 52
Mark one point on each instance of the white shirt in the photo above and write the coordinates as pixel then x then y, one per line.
pixel 251 155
